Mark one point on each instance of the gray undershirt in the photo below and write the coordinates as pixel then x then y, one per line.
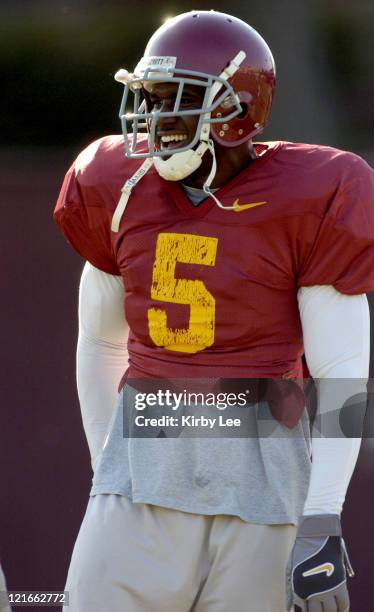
pixel 196 196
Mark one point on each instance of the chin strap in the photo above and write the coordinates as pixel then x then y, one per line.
pixel 180 165
pixel 126 192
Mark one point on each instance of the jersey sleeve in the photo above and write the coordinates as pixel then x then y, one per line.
pixel 82 215
pixel 338 247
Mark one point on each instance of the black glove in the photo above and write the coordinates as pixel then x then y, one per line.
pixel 318 566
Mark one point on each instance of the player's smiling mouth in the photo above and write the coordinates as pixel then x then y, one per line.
pixel 171 140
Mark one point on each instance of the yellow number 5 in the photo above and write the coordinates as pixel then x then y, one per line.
pixel 188 249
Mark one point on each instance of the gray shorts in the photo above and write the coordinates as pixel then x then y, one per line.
pixel 134 557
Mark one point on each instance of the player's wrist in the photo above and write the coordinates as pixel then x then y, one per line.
pixel 319 525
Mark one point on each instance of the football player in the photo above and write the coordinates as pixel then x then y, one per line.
pixel 221 257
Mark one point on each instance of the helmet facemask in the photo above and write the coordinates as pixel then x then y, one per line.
pixel 150 70
pixel 186 158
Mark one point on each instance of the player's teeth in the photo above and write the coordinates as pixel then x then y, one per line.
pixel 174 137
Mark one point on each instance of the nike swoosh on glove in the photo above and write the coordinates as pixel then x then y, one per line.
pixel 318 566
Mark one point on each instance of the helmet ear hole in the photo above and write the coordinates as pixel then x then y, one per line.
pixel 244 111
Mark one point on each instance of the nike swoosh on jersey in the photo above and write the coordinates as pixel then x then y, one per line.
pixel 327 568
pixel 240 207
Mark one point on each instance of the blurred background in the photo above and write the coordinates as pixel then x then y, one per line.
pixel 57 61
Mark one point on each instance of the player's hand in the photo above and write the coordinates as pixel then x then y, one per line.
pixel 318 566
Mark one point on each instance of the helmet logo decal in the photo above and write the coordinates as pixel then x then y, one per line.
pixel 153 62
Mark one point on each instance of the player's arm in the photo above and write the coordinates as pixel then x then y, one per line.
pixel 336 330
pixel 101 352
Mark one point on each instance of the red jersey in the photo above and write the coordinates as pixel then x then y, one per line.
pixel 213 293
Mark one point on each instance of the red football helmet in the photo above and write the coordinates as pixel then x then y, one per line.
pixel 219 52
